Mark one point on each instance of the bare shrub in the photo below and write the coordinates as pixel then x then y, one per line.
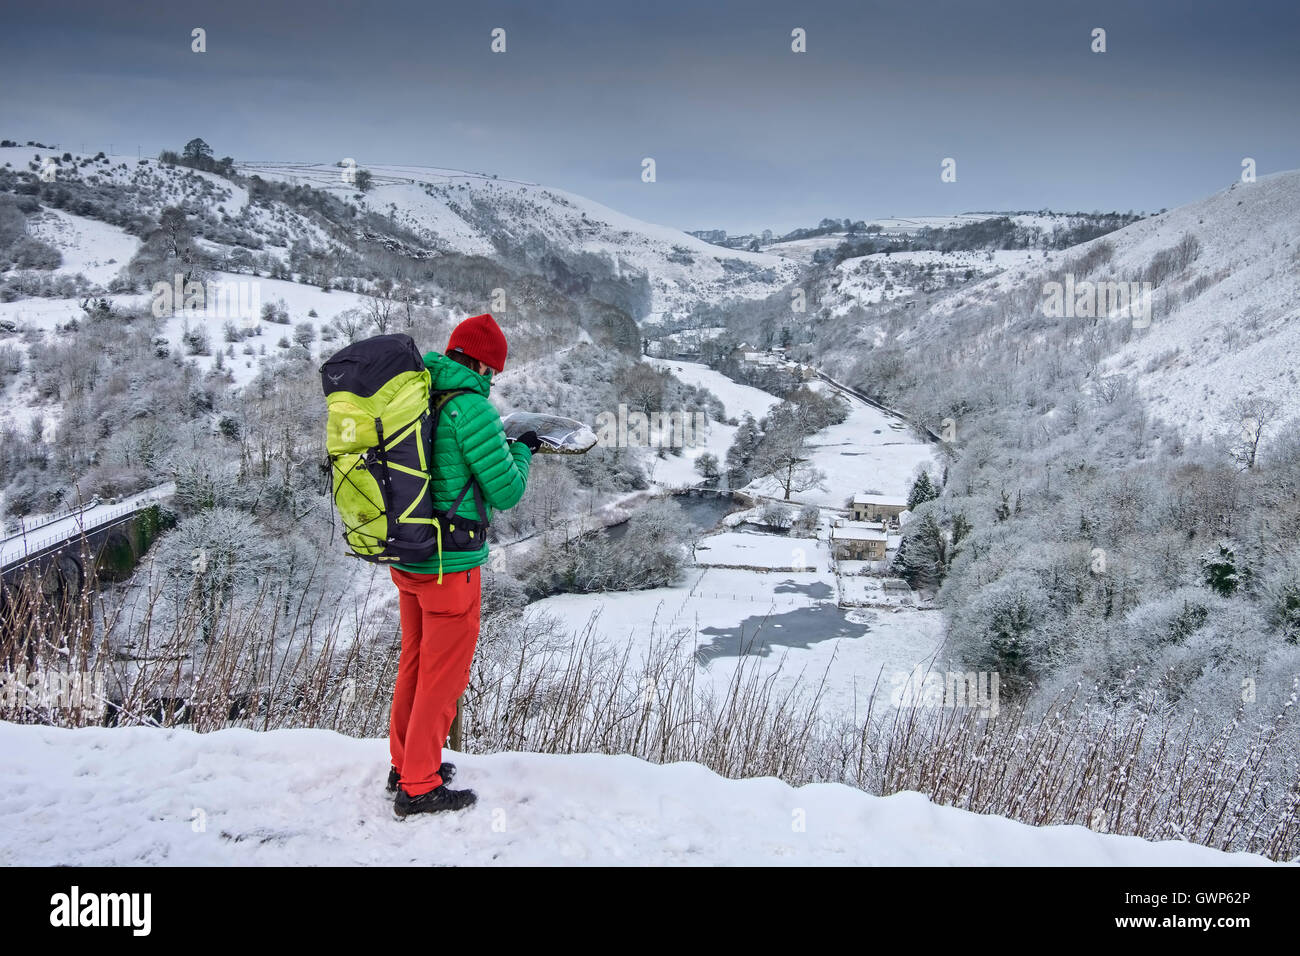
pixel 1129 768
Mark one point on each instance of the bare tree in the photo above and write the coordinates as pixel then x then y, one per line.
pixel 1253 415
pixel 409 296
pixel 1110 388
pixel 382 304
pixel 351 323
pixel 643 385
pixel 783 452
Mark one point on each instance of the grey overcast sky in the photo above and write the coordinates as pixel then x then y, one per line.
pixel 746 134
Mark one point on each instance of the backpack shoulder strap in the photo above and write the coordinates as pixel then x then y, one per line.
pixel 440 397
pixel 437 400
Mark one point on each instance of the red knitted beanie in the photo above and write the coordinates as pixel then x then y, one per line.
pixel 480 338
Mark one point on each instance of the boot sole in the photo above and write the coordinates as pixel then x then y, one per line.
pixel 402 815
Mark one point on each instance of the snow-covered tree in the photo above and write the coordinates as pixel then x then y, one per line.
pixel 923 490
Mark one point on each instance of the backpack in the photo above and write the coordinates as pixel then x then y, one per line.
pixel 382 417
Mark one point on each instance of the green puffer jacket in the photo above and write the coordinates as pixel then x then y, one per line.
pixel 470 440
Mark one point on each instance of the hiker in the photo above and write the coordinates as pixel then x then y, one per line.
pixel 474 471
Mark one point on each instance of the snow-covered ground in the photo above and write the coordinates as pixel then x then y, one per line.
pixel 149 797
pixel 298 300
pixel 92 248
pixel 736 398
pixel 767 552
pixel 863 589
pixel 870 451
pixel 785 624
pixel 172 185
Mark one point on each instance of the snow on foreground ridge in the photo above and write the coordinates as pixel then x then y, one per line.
pixel 142 796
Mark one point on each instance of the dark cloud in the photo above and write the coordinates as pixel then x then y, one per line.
pixel 745 133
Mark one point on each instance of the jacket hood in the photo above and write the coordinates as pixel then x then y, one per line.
pixel 448 374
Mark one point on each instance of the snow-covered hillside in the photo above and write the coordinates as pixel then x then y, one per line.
pixel 885 277
pixel 139 796
pixel 1047 225
pixel 449 210
pixel 478 214
pixel 1222 329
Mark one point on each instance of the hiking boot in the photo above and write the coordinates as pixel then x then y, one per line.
pixel 446 771
pixel 435 801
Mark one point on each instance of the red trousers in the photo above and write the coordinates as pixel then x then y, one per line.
pixel 439 635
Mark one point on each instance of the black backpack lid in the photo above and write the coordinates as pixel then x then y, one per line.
pixel 363 367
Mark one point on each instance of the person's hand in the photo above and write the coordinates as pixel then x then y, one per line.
pixel 530 439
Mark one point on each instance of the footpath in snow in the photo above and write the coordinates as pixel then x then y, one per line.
pixel 142 796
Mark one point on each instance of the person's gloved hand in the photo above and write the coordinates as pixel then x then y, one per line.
pixel 530 439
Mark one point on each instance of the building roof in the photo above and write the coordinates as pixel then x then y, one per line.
pixel 888 500
pixel 846 522
pixel 856 531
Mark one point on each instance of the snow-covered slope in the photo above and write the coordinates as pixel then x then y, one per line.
pixel 1241 335
pixel 884 277
pixel 172 185
pixel 1223 328
pixel 1047 225
pixel 94 249
pixel 477 214
pixel 140 796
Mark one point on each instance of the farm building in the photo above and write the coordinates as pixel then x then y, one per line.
pixel 877 508
pixel 859 541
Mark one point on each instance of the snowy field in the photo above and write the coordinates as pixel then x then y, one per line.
pixel 91 248
pixel 786 624
pixel 735 397
pixel 148 797
pixel 764 552
pixel 673 471
pixel 867 590
pixel 870 451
